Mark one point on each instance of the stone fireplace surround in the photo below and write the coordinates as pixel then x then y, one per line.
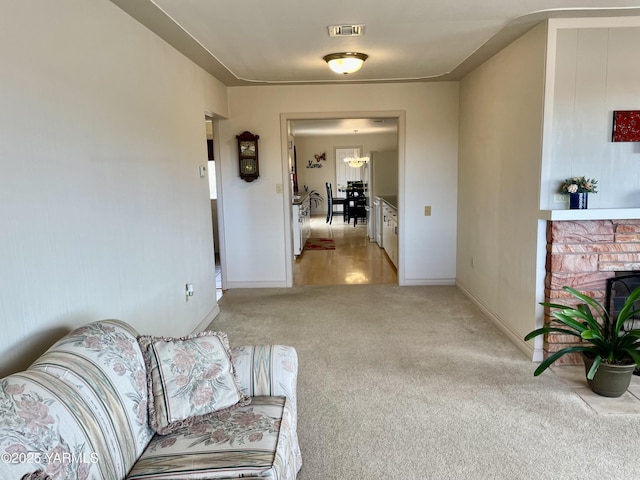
pixel 584 254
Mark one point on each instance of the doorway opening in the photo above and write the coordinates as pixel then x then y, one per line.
pixel 213 195
pixel 319 141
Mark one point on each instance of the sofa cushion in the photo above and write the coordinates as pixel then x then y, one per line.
pixel 271 370
pixel 250 441
pixel 189 379
pixel 103 366
pixel 47 426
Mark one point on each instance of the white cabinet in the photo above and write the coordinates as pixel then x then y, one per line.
pixel 377 221
pixel 393 248
pixel 301 224
pixel 390 232
pixel 305 225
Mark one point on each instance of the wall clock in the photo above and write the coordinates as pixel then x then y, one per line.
pixel 248 156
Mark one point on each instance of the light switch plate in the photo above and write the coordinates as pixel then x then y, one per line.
pixel 203 171
pixel 427 210
pixel 278 188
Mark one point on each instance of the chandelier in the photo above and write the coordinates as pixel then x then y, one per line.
pixel 356 162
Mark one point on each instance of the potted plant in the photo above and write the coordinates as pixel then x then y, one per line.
pixel 315 198
pixel 579 189
pixel 610 346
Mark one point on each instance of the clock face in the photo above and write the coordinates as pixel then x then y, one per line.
pixel 247 149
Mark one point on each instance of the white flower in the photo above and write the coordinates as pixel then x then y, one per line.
pixel 579 185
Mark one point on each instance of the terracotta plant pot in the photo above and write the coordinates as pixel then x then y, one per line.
pixel 609 380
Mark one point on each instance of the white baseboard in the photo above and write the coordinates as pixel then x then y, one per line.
pixel 525 347
pixel 230 285
pixel 207 320
pixel 416 282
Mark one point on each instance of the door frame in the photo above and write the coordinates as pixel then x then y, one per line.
pixel 287 196
pixel 219 200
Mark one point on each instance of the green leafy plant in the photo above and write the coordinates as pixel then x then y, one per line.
pixel 315 198
pixel 603 338
pixel 580 185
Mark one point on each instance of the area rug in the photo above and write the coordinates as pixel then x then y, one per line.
pixel 315 243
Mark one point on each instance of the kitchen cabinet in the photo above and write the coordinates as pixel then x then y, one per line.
pixel 377 221
pixel 301 222
pixel 390 232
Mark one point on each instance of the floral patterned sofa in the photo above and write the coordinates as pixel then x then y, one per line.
pixel 81 411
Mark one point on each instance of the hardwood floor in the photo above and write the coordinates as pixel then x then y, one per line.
pixel 355 260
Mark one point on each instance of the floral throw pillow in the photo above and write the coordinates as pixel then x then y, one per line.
pixel 189 379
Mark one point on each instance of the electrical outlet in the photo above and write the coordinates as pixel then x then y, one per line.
pixel 427 210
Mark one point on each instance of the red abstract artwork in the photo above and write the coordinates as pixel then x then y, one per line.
pixel 626 126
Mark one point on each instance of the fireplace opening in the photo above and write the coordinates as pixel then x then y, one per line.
pixel 618 289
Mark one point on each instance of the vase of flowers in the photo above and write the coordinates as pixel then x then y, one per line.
pixel 579 189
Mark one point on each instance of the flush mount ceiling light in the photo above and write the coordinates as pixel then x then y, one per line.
pixel 345 62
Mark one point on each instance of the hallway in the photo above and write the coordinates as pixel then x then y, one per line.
pixel 355 259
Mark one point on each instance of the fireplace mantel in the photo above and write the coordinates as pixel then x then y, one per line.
pixel 591 214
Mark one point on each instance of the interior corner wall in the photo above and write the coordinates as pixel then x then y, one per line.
pixel 501 105
pixel 255 212
pixel 103 211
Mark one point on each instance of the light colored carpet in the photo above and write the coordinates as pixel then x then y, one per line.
pixel 415 383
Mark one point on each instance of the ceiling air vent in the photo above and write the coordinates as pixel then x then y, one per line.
pixel 346 30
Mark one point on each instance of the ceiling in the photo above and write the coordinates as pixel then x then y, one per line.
pixel 258 42
pixel 283 41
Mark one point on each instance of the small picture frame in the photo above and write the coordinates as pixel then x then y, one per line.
pixel 626 126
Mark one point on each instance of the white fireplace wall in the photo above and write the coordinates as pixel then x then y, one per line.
pixel 592 71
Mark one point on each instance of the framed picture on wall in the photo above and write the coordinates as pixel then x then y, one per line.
pixel 626 126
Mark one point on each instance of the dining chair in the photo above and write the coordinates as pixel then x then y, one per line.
pixel 332 202
pixel 356 203
pixel 329 203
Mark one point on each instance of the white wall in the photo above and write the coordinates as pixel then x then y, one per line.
pixel 315 178
pixel 385 173
pixel 501 105
pixel 594 70
pixel 257 219
pixel 103 212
